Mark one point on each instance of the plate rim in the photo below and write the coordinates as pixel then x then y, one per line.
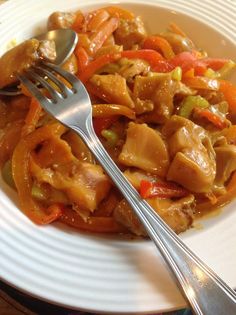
pixel 65 305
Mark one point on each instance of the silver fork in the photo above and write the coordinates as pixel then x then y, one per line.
pixel 205 291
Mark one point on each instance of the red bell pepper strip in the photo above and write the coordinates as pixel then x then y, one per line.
pixel 161 190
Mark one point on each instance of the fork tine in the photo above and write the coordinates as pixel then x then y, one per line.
pixel 33 90
pixel 63 88
pixel 73 80
pixel 53 93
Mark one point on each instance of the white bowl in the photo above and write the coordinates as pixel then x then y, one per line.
pixel 107 274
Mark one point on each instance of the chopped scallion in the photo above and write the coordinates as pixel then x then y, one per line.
pixel 190 102
pixel 111 136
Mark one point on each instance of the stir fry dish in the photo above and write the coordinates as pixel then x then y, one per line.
pixel 162 108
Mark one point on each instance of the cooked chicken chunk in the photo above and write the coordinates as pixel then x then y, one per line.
pixel 193 159
pixel 47 50
pixel 144 148
pixel 163 100
pixel 177 214
pixel 22 57
pixel 125 216
pixel 84 184
pixel 114 88
pixel 130 32
pixel 61 20
pixel 159 89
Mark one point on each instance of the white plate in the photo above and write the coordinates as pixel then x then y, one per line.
pixel 104 274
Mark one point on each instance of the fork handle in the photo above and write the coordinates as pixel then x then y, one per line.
pixel 205 291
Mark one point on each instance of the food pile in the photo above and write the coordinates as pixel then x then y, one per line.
pixel 161 107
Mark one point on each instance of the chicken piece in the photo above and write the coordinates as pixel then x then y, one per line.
pixel 177 214
pixel 225 163
pixel 22 57
pixel 159 89
pixel 59 20
pixel 114 87
pixel 163 99
pixel 47 50
pixel 145 86
pixel 130 32
pixel 125 216
pixel 193 159
pixel 84 184
pixel 144 89
pixel 143 106
pixel 144 148
pixel 130 68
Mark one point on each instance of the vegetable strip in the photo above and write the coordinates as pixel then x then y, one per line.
pixel 93 224
pixel 160 44
pixel 161 190
pixel 107 110
pixel 22 176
